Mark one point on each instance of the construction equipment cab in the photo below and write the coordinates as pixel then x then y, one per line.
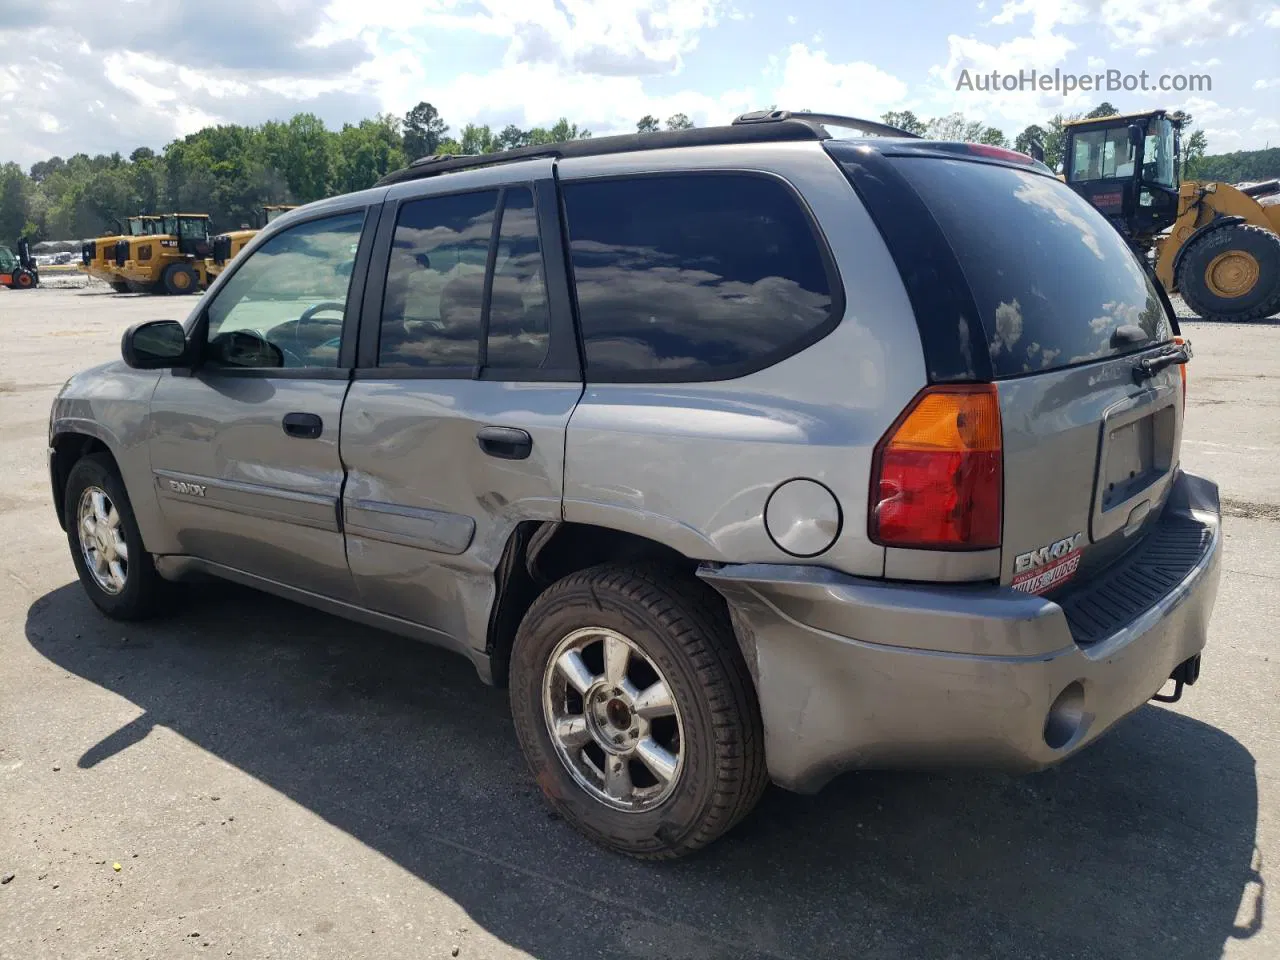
pixel 98 256
pixel 1211 242
pixel 227 245
pixel 173 260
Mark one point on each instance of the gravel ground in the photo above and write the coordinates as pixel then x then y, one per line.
pixel 272 782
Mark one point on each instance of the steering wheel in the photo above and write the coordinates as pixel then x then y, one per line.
pixel 307 314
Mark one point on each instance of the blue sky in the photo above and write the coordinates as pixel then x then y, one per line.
pixel 100 77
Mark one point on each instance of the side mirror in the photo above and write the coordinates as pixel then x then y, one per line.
pixel 1136 135
pixel 243 348
pixel 1035 151
pixel 154 345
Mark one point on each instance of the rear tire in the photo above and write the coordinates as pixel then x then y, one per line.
pixel 120 286
pixel 123 587
pixel 24 280
pixel 675 634
pixel 179 278
pixel 1232 273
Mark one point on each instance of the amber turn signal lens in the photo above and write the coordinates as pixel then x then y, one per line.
pixel 938 474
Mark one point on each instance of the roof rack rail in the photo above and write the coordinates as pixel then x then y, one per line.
pixel 873 127
pixel 437 157
pixel 794 127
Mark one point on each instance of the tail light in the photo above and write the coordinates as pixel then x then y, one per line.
pixel 938 474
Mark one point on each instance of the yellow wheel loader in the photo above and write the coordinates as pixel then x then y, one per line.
pixel 98 256
pixel 172 260
pixel 227 245
pixel 1214 244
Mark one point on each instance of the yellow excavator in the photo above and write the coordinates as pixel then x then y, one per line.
pixel 174 259
pixel 227 245
pixel 1213 243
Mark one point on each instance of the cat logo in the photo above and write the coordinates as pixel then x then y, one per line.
pixel 191 489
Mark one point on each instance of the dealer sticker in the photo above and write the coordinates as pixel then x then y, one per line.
pixel 1047 577
pixel 1049 566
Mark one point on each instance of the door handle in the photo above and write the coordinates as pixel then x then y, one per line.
pixel 305 425
pixel 505 443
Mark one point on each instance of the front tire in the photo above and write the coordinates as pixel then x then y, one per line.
pixel 113 565
pixel 179 278
pixel 1232 273
pixel 120 286
pixel 635 710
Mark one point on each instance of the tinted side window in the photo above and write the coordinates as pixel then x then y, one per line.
pixel 519 323
pixel 432 305
pixel 694 276
pixel 284 306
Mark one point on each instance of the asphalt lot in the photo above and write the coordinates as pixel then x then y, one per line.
pixel 276 783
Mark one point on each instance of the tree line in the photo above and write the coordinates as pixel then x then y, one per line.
pixel 231 171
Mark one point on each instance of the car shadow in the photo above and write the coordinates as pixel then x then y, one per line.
pixel 1141 846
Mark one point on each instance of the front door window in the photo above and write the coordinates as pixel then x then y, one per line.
pixel 285 305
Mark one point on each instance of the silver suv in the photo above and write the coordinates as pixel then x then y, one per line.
pixel 740 454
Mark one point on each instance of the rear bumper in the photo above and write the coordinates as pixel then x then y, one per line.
pixel 855 672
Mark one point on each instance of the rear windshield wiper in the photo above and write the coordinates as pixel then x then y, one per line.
pixel 1148 367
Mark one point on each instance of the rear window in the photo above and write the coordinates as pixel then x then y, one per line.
pixel 1051 278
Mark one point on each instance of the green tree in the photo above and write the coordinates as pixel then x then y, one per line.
pixel 1031 134
pixel 1055 140
pixel 905 120
pixel 564 131
pixel 993 136
pixel 954 126
pixel 424 131
pixel 14 185
pixel 477 139
pixel 1104 109
pixel 648 124
pixel 1193 155
pixel 46 168
pixel 512 137
pixel 679 121
pixel 366 152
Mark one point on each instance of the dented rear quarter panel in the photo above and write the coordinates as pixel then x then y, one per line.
pixel 693 464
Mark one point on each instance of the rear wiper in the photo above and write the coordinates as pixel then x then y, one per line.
pixel 1148 367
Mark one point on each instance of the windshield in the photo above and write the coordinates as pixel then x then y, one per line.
pixel 1052 280
pixel 1157 153
pixel 1102 155
pixel 170 225
pixel 273 212
pixel 193 227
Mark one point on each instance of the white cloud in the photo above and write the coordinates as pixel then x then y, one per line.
pixel 1096 63
pixel 810 81
pixel 791 19
pixel 1160 23
pixel 1144 23
pixel 1266 84
pixel 1211 62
